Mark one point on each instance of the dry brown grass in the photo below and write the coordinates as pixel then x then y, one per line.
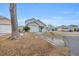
pixel 56 35
pixel 29 45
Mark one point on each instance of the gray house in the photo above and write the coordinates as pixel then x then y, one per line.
pixel 35 25
pixel 5 25
pixel 49 28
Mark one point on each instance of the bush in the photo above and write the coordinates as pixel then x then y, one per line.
pixel 77 30
pixel 26 28
pixel 70 30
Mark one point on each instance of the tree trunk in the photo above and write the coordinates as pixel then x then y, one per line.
pixel 14 23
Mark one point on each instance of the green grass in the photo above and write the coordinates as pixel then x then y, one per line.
pixel 58 34
pixel 71 35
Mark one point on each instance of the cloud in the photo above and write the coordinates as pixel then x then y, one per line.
pixel 1 12
pixel 21 22
pixel 54 22
pixel 58 17
pixel 77 12
pixel 57 22
pixel 70 12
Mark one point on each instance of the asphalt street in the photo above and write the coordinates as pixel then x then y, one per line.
pixel 73 43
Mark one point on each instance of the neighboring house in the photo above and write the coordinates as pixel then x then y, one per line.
pixel 73 27
pixel 63 28
pixel 68 28
pixel 51 28
pixel 45 29
pixel 5 25
pixel 35 25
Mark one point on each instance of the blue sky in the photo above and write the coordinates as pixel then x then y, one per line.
pixel 49 13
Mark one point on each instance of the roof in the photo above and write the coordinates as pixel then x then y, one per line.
pixel 63 27
pixel 33 20
pixel 51 26
pixel 40 22
pixel 4 21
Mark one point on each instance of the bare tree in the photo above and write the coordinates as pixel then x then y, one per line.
pixel 14 22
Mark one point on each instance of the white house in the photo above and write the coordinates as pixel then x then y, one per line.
pixel 5 25
pixel 35 25
pixel 63 28
pixel 49 28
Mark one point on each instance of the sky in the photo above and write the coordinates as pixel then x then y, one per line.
pixel 50 13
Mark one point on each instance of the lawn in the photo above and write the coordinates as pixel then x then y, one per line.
pixel 66 33
pixel 29 45
pixel 71 34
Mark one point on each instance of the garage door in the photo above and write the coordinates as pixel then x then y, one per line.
pixel 34 28
pixel 5 28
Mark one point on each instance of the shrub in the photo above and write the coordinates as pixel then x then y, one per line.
pixel 77 30
pixel 26 28
pixel 70 30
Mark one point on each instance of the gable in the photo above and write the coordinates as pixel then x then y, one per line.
pixel 40 23
pixel 4 20
pixel 32 24
pixel 34 21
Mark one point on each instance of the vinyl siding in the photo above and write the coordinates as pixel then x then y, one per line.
pixel 5 28
pixel 33 27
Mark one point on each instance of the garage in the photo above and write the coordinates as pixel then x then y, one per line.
pixel 5 25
